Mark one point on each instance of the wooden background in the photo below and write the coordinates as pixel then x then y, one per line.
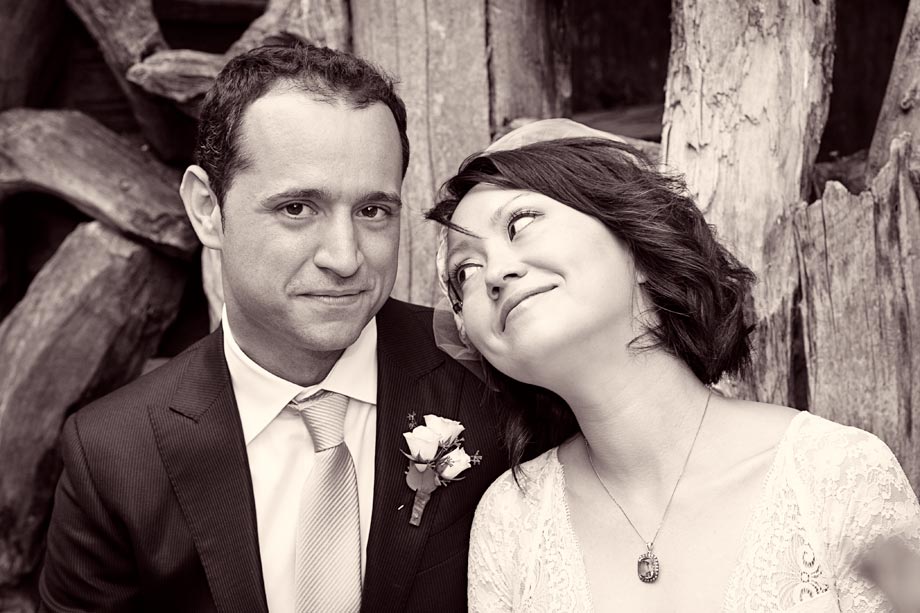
pixel 791 120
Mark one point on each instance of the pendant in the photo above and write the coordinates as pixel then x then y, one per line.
pixel 648 566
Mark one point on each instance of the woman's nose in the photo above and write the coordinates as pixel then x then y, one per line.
pixel 498 276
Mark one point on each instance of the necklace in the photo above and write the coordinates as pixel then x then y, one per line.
pixel 649 566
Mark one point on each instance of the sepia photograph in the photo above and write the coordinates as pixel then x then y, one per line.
pixel 358 306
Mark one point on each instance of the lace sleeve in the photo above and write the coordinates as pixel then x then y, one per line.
pixel 868 498
pixel 492 548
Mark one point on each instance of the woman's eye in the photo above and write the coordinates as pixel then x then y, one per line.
pixel 519 222
pixel 464 272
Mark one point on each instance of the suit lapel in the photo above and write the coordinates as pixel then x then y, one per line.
pixel 405 361
pixel 201 442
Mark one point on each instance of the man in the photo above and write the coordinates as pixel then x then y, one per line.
pixel 205 486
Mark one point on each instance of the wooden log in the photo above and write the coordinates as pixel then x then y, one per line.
pixel 456 61
pixel 861 285
pixel 127 32
pixel 89 321
pixel 67 154
pixel 530 63
pixel 746 100
pixel 437 49
pixel 27 32
pixel 899 112
pixel 184 75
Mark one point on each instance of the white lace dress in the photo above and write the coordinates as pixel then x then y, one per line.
pixel 830 492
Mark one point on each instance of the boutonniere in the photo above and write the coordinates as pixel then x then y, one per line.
pixel 436 457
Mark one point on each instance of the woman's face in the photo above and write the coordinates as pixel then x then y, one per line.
pixel 543 286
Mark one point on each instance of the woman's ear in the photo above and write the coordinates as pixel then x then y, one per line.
pixel 202 207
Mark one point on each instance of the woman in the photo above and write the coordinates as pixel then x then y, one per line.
pixel 595 288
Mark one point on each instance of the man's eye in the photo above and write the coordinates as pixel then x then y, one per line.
pixel 519 222
pixel 373 212
pixel 294 209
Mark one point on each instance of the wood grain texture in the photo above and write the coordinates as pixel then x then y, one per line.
pixel 89 321
pixel 437 49
pixel 899 112
pixel 746 100
pixel 860 269
pixel 127 32
pixel 27 33
pixel 466 69
pixel 530 61
pixel 67 154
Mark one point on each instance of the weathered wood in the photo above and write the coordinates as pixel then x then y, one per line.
pixel 466 68
pixel 89 321
pixel 530 62
pixel 860 269
pixel 67 154
pixel 127 32
pixel 185 75
pixel 899 112
pixel 438 50
pixel 27 30
pixel 746 100
pixel 178 74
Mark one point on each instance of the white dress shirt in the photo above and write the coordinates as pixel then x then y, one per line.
pixel 281 452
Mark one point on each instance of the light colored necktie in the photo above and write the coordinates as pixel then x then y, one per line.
pixel 327 569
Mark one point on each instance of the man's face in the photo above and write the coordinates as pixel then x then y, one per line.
pixel 311 223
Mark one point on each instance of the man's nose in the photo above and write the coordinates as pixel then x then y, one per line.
pixel 338 250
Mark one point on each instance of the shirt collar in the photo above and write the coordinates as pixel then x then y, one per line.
pixel 261 395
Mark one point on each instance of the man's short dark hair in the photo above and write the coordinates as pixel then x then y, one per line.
pixel 325 74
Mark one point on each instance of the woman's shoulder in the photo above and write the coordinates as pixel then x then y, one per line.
pixel 518 489
pixel 827 446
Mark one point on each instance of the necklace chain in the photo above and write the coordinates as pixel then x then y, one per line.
pixel 650 544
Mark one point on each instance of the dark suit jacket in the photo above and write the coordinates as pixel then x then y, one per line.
pixel 154 510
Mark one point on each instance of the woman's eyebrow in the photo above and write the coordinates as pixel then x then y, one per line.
pixel 500 211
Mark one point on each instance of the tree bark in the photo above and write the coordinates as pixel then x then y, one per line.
pixel 465 70
pixel 127 32
pixel 861 286
pixel 69 155
pixel 89 321
pixel 27 32
pixel 899 112
pixel 746 101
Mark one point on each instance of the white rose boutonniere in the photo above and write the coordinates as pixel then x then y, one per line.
pixel 436 457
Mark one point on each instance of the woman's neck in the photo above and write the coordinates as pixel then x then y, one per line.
pixel 639 415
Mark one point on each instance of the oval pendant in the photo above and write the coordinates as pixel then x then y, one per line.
pixel 648 567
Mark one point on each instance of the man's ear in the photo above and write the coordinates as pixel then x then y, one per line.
pixel 201 207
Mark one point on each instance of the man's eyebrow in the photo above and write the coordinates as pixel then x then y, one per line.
pixel 300 193
pixel 321 195
pixel 380 198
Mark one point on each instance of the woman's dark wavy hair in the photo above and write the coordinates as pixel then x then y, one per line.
pixel 696 289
